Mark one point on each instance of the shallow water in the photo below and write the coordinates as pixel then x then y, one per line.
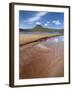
pixel 55 40
pixel 43 59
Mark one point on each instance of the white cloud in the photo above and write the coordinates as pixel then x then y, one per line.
pixel 48 22
pixel 57 22
pixel 45 24
pixel 36 17
pixel 38 23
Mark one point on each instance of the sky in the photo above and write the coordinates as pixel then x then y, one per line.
pixel 29 19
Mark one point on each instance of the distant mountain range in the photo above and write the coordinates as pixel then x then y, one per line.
pixel 39 28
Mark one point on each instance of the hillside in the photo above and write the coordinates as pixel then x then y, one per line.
pixel 39 28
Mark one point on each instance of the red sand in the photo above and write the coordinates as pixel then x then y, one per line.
pixel 40 62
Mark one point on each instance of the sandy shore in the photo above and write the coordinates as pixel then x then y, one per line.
pixel 24 38
pixel 41 60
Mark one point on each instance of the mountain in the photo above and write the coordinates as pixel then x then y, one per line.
pixel 39 28
pixel 25 30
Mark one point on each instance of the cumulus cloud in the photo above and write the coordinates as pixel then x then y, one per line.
pixel 38 23
pixel 57 22
pixel 36 17
pixel 45 24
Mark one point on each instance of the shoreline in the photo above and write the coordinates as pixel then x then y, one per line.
pixel 41 60
pixel 36 39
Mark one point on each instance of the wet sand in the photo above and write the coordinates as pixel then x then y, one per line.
pixel 41 60
pixel 28 38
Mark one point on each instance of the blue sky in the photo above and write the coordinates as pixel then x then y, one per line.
pixel 29 19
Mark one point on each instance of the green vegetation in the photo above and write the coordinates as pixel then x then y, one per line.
pixel 39 28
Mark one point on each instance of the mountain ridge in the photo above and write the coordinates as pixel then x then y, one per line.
pixel 39 28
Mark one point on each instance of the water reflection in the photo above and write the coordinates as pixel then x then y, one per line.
pixel 55 40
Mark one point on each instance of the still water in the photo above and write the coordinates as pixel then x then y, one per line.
pixel 55 39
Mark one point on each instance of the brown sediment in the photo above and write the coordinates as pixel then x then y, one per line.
pixel 37 62
pixel 24 40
